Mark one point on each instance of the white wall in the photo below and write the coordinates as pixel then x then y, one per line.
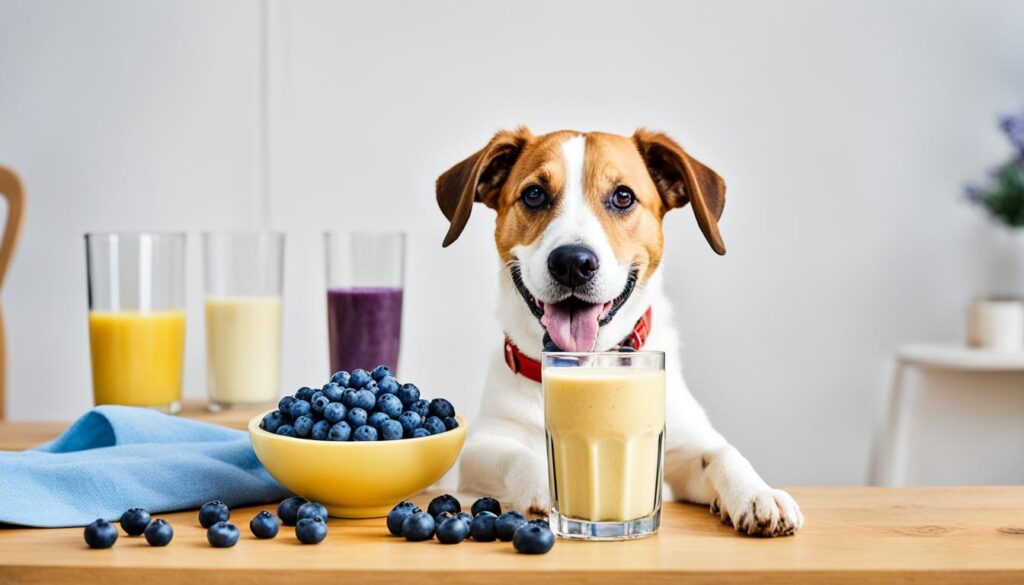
pixel 844 131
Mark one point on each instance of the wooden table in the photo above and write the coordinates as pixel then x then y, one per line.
pixel 853 535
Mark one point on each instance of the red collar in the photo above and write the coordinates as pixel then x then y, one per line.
pixel 529 368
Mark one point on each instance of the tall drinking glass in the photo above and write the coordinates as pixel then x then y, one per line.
pixel 604 415
pixel 365 273
pixel 136 317
pixel 244 274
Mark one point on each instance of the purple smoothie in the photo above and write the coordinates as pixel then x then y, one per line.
pixel 364 325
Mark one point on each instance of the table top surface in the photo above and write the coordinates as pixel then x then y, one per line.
pixel 852 535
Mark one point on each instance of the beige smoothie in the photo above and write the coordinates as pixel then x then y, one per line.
pixel 605 428
pixel 243 349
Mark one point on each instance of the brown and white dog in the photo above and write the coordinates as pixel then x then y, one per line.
pixel 579 233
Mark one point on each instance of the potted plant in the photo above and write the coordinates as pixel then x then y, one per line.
pixel 998 322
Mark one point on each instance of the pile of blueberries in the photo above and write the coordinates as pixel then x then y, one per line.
pixel 445 520
pixel 135 521
pixel 308 518
pixel 360 406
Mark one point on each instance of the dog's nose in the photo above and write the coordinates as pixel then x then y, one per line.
pixel 573 265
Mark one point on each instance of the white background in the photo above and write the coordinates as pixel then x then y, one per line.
pixel 845 131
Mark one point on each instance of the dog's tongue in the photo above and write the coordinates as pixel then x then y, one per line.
pixel 573 327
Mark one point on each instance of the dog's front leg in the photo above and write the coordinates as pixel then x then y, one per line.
pixel 701 467
pixel 505 466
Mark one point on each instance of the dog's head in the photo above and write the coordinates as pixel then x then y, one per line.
pixel 579 222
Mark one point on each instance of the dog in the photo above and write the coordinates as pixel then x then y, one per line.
pixel 579 234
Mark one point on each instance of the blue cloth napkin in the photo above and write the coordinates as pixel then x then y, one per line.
pixel 119 457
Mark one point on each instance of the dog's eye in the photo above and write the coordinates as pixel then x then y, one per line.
pixel 622 199
pixel 534 197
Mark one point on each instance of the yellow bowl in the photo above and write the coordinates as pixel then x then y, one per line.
pixel 357 479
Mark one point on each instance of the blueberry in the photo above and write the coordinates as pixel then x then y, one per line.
pixel 388 385
pixel 372 387
pixel 419 433
pixel 304 393
pixel 489 504
pixel 271 421
pixel 506 524
pixel 335 412
pixel 467 518
pixel 365 433
pixel 390 405
pixel 159 533
pixel 441 408
pixel 358 379
pixel 318 405
pixel 348 397
pixel 299 408
pixel 452 530
pixel 533 539
pixel 410 422
pixel 340 432
pixel 311 510
pixel 434 425
pixel 442 517
pixel 418 526
pixel 287 431
pixel 421 407
pixel 356 417
pixel 450 422
pixel 380 372
pixel 316 393
pixel 482 527
pixel 264 525
pixel 311 530
pixel 284 406
pixel 340 378
pixel 287 509
pixel 365 400
pixel 398 514
pixel 408 393
pixel 333 391
pixel 222 535
pixel 390 430
pixel 213 512
pixel 320 430
pixel 303 425
pixel 100 534
pixel 376 419
pixel 135 521
pixel 540 522
pixel 446 503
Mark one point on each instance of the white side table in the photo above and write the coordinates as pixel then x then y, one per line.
pixel 889 458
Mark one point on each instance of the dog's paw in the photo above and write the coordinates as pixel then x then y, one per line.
pixel 527 486
pixel 765 512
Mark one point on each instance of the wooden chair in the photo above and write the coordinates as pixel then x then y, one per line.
pixel 12 191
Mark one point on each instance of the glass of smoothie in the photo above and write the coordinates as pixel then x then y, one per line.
pixel 365 272
pixel 136 317
pixel 244 282
pixel 604 415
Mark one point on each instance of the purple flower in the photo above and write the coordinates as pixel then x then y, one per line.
pixel 1013 127
pixel 974 194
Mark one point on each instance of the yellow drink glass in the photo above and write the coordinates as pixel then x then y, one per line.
pixel 604 417
pixel 137 318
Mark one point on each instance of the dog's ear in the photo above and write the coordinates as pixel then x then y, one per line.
pixel 478 178
pixel 682 179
